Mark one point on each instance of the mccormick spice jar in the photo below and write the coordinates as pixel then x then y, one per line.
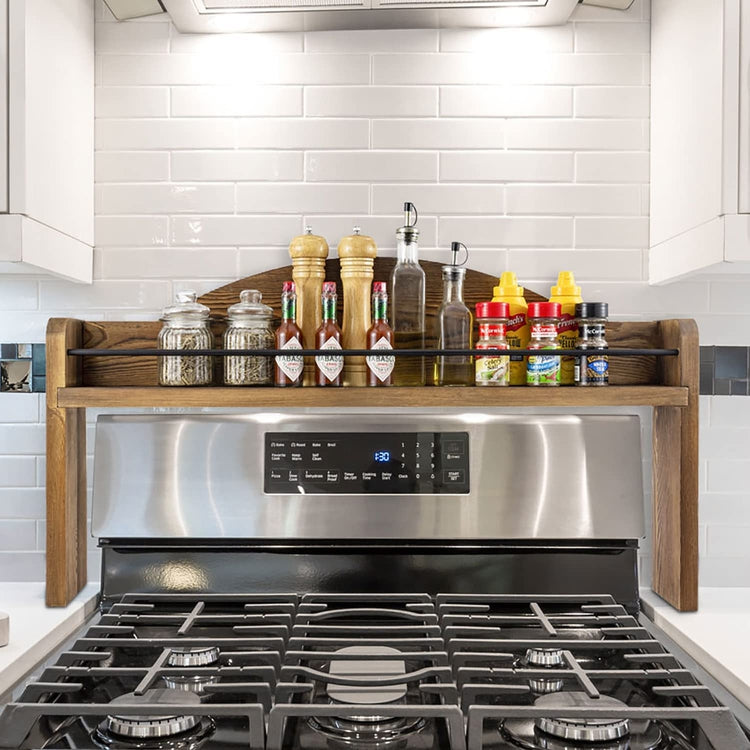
pixel 249 327
pixel 543 369
pixel 592 369
pixel 185 327
pixel 492 318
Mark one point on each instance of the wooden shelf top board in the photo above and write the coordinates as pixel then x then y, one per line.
pixel 224 397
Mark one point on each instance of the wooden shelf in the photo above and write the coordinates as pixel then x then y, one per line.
pixel 137 396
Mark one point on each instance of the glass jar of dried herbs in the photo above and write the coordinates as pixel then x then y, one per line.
pixel 249 327
pixel 186 327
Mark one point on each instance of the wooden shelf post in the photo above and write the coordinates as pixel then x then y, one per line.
pixel 66 468
pixel 675 472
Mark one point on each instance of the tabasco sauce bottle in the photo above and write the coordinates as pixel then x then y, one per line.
pixel 328 367
pixel 288 369
pixel 380 339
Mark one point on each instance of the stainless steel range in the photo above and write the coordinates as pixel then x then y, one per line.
pixel 398 581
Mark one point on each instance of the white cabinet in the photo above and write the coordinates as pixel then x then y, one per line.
pixel 47 121
pixel 700 138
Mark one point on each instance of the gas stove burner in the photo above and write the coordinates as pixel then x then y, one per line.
pixel 552 733
pixel 367 729
pixel 197 656
pixel 182 732
pixel 544 657
pixel 188 657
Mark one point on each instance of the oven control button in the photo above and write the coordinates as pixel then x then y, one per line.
pixel 453 476
pixel 333 476
pixel 294 476
pixel 277 476
pixel 314 476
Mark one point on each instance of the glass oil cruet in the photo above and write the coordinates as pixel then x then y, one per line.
pixel 408 302
pixel 455 324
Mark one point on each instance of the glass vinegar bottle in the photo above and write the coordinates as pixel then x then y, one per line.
pixel 455 325
pixel 408 302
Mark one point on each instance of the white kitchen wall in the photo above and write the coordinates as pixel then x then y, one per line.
pixel 529 145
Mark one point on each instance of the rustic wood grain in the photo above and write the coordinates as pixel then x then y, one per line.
pixel 384 397
pixel 66 469
pixel 142 371
pixel 675 473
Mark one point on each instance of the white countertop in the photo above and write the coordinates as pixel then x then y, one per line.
pixel 35 629
pixel 716 636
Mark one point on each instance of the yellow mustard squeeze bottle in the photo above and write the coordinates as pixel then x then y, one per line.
pixel 517 331
pixel 568 295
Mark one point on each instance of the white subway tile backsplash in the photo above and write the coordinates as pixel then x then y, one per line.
pixel 290 198
pixel 64 295
pixel 518 40
pixel 439 199
pixel 215 231
pixel 167 263
pixel 302 133
pixel 132 166
pixel 506 101
pixel 131 231
pixel 364 40
pixel 19 408
pixel 18 294
pixel 17 535
pixel 624 166
pixel 233 68
pixel 727 541
pixel 594 265
pixel 611 231
pixel 254 260
pixel 500 67
pixel 580 135
pixel 371 101
pixel 22 502
pixel 573 199
pixel 506 166
pixel 237 165
pixel 607 37
pixel 730 297
pixel 728 476
pixel 132 38
pixel 22 566
pixel 370 166
pixel 507 231
pixel 719 509
pixel 236 101
pixel 612 101
pixel 165 134
pixel 132 101
pixel 440 134
pixel 22 439
pixel 239 45
pixel 17 471
pixel 170 198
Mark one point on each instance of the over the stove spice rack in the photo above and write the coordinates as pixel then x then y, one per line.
pixel 112 364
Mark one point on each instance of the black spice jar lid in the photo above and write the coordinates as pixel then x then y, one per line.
pixel 592 310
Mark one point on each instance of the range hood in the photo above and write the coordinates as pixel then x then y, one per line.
pixel 217 16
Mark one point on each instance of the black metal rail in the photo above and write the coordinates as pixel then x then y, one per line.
pixel 366 352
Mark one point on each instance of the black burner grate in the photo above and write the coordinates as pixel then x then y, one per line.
pixel 449 671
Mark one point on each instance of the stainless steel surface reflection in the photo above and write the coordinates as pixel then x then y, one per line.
pixel 532 477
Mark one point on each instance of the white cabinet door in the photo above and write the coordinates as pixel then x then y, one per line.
pixel 3 105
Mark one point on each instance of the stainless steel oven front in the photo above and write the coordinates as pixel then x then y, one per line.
pixel 393 475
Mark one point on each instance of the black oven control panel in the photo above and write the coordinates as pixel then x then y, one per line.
pixel 366 463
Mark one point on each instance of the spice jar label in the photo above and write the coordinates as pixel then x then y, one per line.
pixel 291 366
pixel 381 365
pixel 330 366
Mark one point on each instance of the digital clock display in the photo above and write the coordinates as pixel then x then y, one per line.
pixel 382 457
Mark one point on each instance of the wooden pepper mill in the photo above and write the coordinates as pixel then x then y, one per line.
pixel 357 254
pixel 309 252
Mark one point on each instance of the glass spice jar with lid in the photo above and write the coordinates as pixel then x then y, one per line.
pixel 249 327
pixel 543 369
pixel 185 326
pixel 592 369
pixel 492 319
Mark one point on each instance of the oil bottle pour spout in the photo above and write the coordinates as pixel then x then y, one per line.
pixel 409 209
pixel 456 248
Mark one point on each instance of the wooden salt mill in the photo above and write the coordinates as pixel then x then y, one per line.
pixel 357 254
pixel 309 252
